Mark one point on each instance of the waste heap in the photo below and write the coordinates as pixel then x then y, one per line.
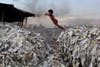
pixel 76 47
pixel 79 47
pixel 21 48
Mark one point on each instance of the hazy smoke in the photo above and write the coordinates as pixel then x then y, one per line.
pixel 60 7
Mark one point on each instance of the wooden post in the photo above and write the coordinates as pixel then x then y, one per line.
pixel 3 15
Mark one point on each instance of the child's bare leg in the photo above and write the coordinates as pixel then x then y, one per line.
pixel 60 27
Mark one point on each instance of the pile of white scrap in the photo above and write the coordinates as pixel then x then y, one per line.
pixel 20 48
pixel 80 47
pixel 76 47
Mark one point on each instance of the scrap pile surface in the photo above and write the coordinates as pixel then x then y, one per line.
pixel 80 47
pixel 20 48
pixel 76 47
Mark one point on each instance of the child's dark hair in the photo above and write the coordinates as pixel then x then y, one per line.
pixel 50 10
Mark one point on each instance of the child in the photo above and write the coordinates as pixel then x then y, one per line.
pixel 55 21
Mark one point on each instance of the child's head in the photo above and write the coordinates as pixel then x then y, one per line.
pixel 50 11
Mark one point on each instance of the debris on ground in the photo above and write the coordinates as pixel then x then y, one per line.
pixel 20 48
pixel 76 47
pixel 80 47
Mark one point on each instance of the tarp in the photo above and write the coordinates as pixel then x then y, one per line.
pixel 8 13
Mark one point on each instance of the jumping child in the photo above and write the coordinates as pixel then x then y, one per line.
pixel 52 17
